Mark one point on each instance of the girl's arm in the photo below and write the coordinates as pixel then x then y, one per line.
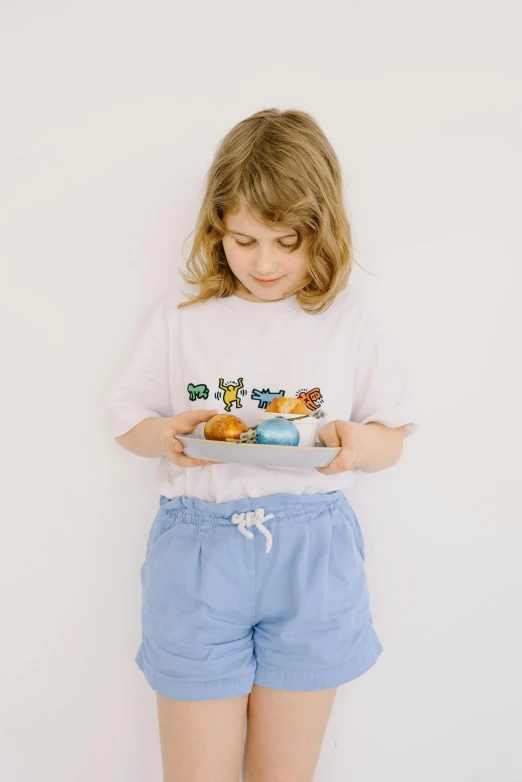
pixel 155 437
pixel 369 447
pixel 382 446
pixel 145 439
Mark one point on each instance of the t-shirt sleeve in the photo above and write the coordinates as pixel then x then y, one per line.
pixel 142 390
pixel 382 390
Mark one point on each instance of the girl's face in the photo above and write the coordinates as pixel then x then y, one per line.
pixel 260 259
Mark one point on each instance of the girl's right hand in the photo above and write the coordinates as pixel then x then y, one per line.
pixel 184 423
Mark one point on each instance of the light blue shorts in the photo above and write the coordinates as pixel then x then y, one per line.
pixel 270 590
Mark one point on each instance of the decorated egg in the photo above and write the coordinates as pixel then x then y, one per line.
pixel 277 431
pixel 219 427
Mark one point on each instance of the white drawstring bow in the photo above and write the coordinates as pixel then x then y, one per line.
pixel 256 518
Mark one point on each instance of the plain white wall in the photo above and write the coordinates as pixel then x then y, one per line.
pixel 111 114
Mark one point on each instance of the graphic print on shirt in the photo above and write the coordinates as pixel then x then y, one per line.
pixel 231 393
pixel 264 397
pixel 313 399
pixel 198 392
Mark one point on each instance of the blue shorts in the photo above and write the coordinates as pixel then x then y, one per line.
pixel 270 590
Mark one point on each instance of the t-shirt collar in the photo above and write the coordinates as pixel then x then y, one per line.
pixel 262 308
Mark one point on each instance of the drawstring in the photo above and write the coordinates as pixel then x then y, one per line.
pixel 256 517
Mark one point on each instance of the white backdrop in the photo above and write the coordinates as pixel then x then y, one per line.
pixel 111 114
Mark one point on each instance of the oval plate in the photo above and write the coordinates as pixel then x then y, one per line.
pixel 251 453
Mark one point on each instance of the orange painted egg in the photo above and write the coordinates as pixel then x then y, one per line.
pixel 222 426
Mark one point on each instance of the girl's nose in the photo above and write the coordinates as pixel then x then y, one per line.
pixel 265 265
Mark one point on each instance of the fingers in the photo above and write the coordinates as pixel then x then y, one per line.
pixel 329 436
pixel 173 450
pixel 326 470
pixel 330 442
pixel 184 423
pixel 330 439
pixel 341 434
pixel 186 461
pixel 172 444
pixel 341 463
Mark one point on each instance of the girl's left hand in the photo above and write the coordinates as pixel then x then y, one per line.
pixel 348 435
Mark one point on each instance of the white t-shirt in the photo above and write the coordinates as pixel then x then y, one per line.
pixel 344 361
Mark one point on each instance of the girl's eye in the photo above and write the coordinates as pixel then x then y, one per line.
pixel 247 244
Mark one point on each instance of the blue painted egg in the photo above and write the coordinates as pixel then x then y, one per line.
pixel 277 431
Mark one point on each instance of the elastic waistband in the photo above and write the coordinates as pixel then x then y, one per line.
pixel 281 505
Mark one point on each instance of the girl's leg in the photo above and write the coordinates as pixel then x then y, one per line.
pixel 202 740
pixel 285 733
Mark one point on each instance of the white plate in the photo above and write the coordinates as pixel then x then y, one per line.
pixel 251 453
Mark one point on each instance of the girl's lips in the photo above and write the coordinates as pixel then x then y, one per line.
pixel 267 283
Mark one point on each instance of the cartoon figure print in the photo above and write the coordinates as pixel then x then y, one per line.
pixel 265 396
pixel 313 399
pixel 230 393
pixel 197 392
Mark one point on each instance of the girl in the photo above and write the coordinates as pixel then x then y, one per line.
pixel 254 599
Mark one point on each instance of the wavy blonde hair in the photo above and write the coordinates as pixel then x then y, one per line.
pixel 282 169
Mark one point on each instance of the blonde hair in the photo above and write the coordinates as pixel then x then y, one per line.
pixel 281 167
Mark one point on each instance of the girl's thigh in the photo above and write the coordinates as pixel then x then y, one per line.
pixel 202 740
pixel 285 733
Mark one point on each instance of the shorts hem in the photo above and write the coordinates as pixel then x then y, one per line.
pixel 301 681
pixel 177 690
